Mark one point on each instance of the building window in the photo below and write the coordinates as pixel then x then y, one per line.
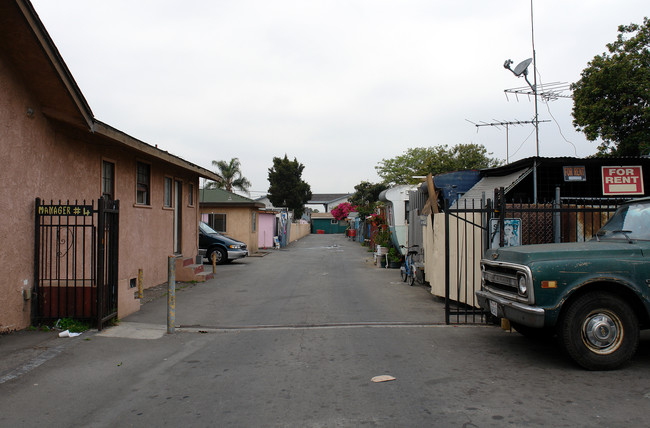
pixel 143 180
pixel 254 222
pixel 108 179
pixel 190 196
pixel 217 222
pixel 167 199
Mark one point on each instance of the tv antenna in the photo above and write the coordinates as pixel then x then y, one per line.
pixel 506 125
pixel 548 92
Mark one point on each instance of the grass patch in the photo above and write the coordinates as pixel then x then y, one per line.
pixel 72 325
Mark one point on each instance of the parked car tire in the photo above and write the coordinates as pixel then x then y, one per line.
pixel 221 256
pixel 600 331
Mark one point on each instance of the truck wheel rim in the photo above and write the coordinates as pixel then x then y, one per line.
pixel 602 332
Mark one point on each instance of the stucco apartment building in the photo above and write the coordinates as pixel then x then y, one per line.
pixel 52 147
pixel 231 214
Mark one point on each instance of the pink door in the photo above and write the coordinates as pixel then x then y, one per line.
pixel 266 230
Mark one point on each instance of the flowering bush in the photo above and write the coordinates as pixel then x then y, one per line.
pixel 341 211
pixel 377 219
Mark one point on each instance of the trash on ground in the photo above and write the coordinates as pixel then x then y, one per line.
pixel 68 334
pixel 383 378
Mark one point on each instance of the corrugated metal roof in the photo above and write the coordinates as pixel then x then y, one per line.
pixel 474 196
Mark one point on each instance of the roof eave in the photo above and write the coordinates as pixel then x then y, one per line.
pixel 53 55
pixel 108 131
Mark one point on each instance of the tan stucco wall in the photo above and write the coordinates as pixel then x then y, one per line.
pixel 39 160
pixel 298 231
pixel 239 224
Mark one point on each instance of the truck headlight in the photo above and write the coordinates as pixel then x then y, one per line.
pixel 522 285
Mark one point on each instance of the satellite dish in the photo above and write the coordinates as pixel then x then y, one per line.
pixel 522 67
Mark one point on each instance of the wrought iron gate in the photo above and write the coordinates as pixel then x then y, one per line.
pixel 76 261
pixel 465 242
pixel 472 227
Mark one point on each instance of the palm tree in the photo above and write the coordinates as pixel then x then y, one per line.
pixel 232 177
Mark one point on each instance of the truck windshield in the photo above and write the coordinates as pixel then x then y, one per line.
pixel 629 222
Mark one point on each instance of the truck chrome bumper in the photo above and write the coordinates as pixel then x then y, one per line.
pixel 514 311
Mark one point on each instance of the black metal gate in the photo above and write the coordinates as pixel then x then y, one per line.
pixel 465 242
pixel 472 227
pixel 76 261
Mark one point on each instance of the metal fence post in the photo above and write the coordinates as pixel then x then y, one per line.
pixel 36 290
pixel 557 216
pixel 171 295
pixel 447 261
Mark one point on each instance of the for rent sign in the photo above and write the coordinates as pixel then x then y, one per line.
pixel 622 180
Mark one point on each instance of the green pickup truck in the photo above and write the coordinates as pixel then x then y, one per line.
pixel 594 295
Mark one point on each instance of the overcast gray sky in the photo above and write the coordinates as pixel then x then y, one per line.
pixel 337 84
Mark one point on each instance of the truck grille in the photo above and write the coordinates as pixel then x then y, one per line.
pixel 502 278
pixel 497 277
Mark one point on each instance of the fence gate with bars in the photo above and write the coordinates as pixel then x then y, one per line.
pixel 76 261
pixel 472 227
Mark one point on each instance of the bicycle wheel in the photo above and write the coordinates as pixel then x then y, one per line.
pixel 403 273
pixel 412 276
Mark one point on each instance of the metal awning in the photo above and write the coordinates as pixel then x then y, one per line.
pixel 484 189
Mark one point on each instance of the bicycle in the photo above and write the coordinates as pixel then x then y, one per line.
pixel 408 271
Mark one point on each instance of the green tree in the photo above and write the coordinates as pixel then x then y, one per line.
pixel 366 192
pixel 366 196
pixel 611 101
pixel 287 189
pixel 421 161
pixel 232 176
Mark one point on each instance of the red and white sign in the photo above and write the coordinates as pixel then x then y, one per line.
pixel 622 180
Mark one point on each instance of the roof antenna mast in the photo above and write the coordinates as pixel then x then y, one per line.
pixel 522 69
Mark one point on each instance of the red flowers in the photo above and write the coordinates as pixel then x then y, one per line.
pixel 341 211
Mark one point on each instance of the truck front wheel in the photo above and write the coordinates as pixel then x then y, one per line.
pixel 600 331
